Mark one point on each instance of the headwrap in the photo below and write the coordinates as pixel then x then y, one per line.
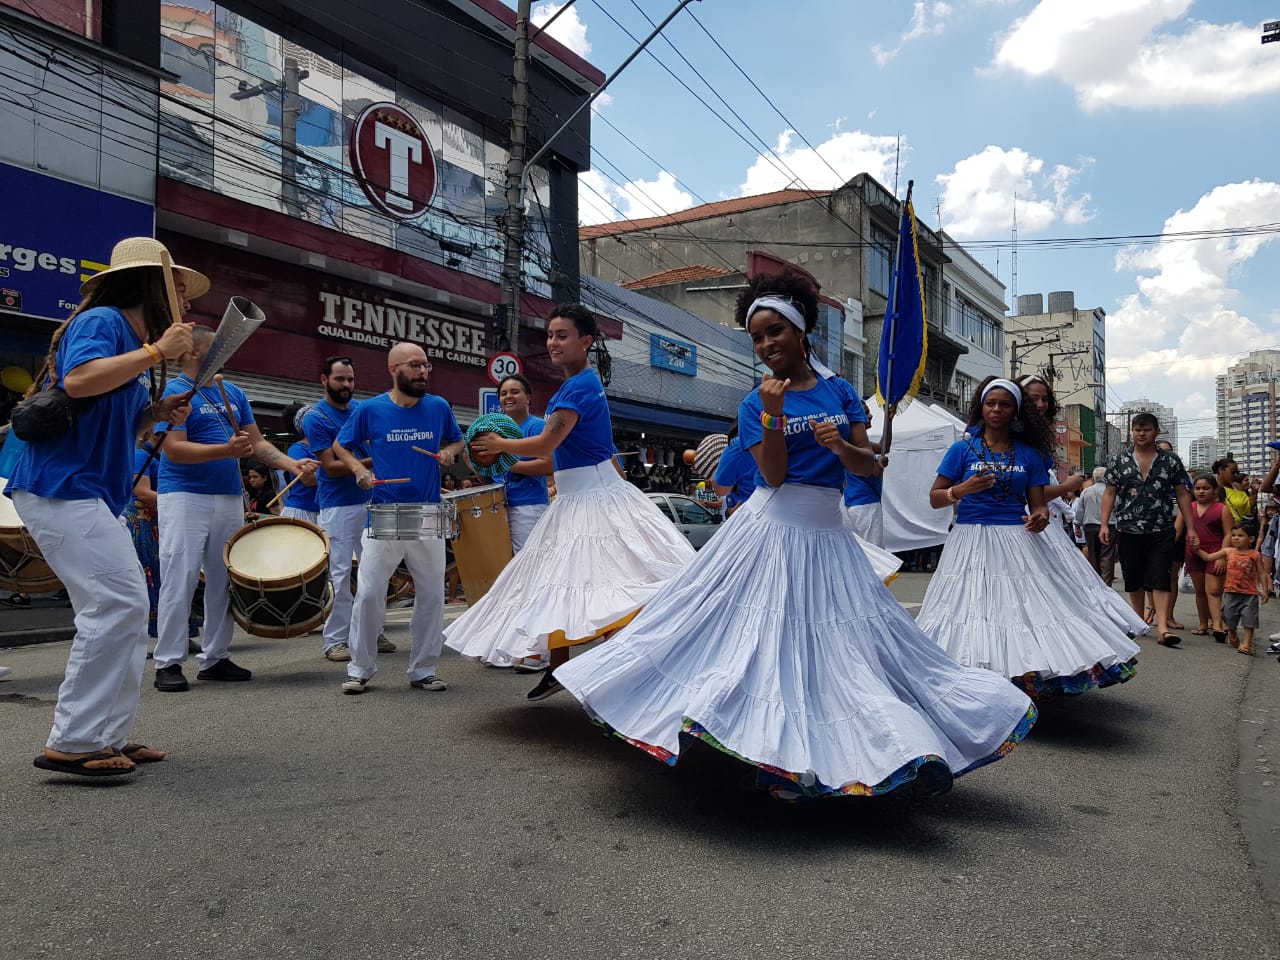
pixel 1002 384
pixel 787 308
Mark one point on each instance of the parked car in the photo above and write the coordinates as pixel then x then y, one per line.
pixel 694 520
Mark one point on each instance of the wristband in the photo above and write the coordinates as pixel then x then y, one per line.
pixel 156 356
pixel 951 495
pixel 770 422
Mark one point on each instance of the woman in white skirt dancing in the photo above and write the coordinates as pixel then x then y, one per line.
pixel 999 598
pixel 600 551
pixel 1071 564
pixel 779 645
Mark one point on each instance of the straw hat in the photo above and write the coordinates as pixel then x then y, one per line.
pixel 145 252
pixel 707 457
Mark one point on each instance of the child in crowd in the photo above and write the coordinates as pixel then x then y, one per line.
pixel 1245 589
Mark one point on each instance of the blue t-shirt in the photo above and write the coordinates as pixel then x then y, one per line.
pixel 1004 503
pixel 525 491
pixel 300 496
pixel 140 456
pixel 808 461
pixel 10 452
pixel 208 423
pixel 591 439
pixel 737 469
pixel 321 427
pixel 389 433
pixel 92 460
pixel 859 491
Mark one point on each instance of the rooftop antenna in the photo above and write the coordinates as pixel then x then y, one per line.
pixel 897 156
pixel 1013 283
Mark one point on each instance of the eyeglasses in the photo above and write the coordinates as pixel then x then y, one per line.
pixel 415 365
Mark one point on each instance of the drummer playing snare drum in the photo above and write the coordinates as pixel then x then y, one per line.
pixel 389 427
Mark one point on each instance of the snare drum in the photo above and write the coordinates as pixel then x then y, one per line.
pixel 279 573
pixel 22 567
pixel 483 544
pixel 413 521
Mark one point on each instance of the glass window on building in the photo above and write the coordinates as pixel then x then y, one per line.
pixel 879 261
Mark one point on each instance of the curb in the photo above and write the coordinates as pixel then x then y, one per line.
pixel 25 638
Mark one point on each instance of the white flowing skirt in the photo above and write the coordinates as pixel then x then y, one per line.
pixel 597 555
pixel 779 645
pixel 1007 600
pixel 1074 569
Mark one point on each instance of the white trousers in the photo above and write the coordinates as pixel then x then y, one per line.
pixel 93 556
pixel 425 560
pixel 522 520
pixel 297 513
pixel 344 525
pixel 194 527
pixel 867 521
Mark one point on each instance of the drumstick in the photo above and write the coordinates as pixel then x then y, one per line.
pixel 283 491
pixel 226 402
pixel 434 456
pixel 396 480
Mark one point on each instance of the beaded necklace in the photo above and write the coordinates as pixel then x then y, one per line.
pixel 1003 470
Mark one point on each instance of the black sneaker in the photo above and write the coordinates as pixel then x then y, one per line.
pixel 170 679
pixel 225 670
pixel 546 687
pixel 16 600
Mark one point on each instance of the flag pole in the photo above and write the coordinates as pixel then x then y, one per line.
pixel 895 292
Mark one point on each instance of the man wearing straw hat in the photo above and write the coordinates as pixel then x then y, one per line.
pixel 70 488
pixel 409 434
pixel 200 507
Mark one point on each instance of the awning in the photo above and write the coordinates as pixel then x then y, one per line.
pixel 657 416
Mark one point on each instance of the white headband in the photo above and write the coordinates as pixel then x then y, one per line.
pixel 1002 384
pixel 786 308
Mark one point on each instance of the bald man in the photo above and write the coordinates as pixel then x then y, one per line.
pixel 199 506
pixel 387 428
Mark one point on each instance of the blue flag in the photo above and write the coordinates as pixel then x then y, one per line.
pixel 904 340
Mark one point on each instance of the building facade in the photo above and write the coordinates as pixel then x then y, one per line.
pixel 1067 347
pixel 1246 406
pixel 973 313
pixel 699 259
pixel 1202 453
pixel 1168 421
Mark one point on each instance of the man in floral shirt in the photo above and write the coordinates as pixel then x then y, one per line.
pixel 1146 489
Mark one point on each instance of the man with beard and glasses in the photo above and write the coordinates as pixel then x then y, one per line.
pixel 389 428
pixel 343 505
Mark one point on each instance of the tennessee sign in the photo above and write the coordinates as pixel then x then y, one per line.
pixel 393 161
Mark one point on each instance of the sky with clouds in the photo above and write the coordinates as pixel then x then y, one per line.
pixel 1116 119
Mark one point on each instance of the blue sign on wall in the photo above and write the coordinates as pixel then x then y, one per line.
pixel 677 356
pixel 54 235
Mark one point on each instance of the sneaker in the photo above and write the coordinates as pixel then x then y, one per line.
pixel 16 600
pixel 531 664
pixel 353 686
pixel 429 682
pixel 338 653
pixel 546 687
pixel 6 673
pixel 225 670
pixel 170 679
pixel 385 645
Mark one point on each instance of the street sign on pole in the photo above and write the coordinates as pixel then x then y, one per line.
pixel 503 365
pixel 489 400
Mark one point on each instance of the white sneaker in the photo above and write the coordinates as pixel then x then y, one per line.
pixel 354 685
pixel 430 682
pixel 338 653
pixel 6 673
pixel 532 664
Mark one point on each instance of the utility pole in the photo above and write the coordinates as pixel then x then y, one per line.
pixel 518 167
pixel 290 107
pixel 513 220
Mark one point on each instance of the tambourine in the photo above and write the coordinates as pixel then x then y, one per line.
pixel 503 426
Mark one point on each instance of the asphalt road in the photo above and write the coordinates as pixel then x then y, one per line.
pixel 291 822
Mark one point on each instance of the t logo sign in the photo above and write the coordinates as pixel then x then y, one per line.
pixel 393 161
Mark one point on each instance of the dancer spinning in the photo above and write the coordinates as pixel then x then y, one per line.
pixel 778 645
pixel 600 551
pixel 999 599
pixel 1069 563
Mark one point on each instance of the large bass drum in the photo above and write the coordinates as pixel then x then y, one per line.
pixel 22 567
pixel 483 544
pixel 279 573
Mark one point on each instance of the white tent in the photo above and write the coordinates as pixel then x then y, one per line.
pixel 921 435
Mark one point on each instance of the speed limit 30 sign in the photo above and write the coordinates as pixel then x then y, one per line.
pixel 503 365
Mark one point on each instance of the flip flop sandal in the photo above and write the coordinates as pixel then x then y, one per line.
pixel 1200 632
pixel 1150 615
pixel 1175 625
pixel 1169 640
pixel 79 768
pixel 141 753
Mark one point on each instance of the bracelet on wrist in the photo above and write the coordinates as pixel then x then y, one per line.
pixel 156 356
pixel 770 422
pixel 951 495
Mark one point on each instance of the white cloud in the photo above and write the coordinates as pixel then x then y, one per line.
pixel 1181 328
pixel 833 163
pixel 601 201
pixel 927 19
pixel 568 28
pixel 978 194
pixel 1113 53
